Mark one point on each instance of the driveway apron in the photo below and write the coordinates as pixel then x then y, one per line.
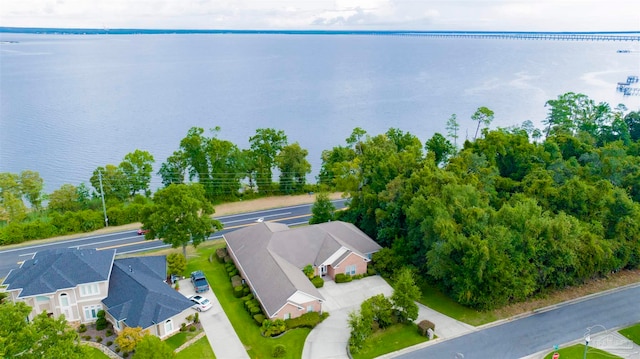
pixel 223 339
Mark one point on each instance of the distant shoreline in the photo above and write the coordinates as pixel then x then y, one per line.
pixel 96 31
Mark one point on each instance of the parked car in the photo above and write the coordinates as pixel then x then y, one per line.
pixel 200 303
pixel 142 231
pixel 199 281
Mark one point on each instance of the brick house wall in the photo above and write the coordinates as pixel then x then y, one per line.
pixel 347 264
pixel 295 312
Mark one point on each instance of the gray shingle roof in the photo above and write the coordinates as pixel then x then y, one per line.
pixel 52 270
pixel 272 256
pixel 138 294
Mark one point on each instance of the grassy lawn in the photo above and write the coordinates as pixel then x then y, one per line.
pixel 394 338
pixel 200 349
pixel 176 340
pixel 436 300
pixel 96 354
pixel 244 325
pixel 632 332
pixel 577 352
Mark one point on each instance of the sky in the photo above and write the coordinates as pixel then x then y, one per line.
pixel 483 15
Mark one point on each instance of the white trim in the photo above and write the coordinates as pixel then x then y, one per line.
pixel 340 251
pixel 337 265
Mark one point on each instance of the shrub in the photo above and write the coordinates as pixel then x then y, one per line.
pixel 425 325
pixel 308 320
pixel 233 272
pixel 183 327
pixel 236 280
pixel 246 290
pixel 237 291
pixel 124 355
pixel 82 328
pixel 196 318
pixel 317 281
pixel 273 328
pixel 247 297
pixel 101 323
pixel 221 253
pixel 87 337
pixel 99 339
pixel 117 349
pixel 259 318
pixel 342 278
pixel 109 332
pixel 228 259
pixel 255 310
pixel 192 328
pixel 189 318
pixel 279 351
pixel 371 271
pixel 109 343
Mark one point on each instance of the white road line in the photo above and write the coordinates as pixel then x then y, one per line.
pixel 255 218
pixel 58 242
pixel 27 254
pixel 272 210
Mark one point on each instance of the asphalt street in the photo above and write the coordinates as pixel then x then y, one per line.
pixel 521 337
pixel 130 242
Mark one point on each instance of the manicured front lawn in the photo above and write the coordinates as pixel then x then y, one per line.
pixel 244 325
pixel 632 332
pixel 436 300
pixel 96 354
pixel 200 349
pixel 394 338
pixel 176 340
pixel 577 352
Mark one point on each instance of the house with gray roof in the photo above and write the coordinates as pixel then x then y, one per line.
pixel 270 258
pixel 77 283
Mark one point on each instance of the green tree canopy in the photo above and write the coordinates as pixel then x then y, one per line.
pixel 265 146
pixel 322 210
pixel 180 215
pixel 294 167
pixel 137 167
pixel 151 347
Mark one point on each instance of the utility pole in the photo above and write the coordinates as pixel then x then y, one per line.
pixel 104 207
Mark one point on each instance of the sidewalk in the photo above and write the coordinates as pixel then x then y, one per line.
pixel 223 339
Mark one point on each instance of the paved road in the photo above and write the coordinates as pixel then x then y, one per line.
pixel 130 242
pixel 539 332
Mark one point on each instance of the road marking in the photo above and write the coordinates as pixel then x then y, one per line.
pixel 254 218
pixel 58 242
pixel 125 244
pixel 27 254
pixel 274 209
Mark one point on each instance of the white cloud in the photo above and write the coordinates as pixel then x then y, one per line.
pixel 551 15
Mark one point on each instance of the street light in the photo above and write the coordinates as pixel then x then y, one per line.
pixel 587 339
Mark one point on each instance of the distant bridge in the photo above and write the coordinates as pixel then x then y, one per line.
pixel 524 35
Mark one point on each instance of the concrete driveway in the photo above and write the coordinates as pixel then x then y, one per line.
pixel 223 339
pixel 329 339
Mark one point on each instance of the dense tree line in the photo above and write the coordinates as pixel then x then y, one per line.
pixel 506 217
pixel 225 173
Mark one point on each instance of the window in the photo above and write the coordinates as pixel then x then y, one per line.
pixel 91 311
pixel 287 316
pixel 89 289
pixel 309 308
pixel 168 326
pixel 41 298
pixel 351 270
pixel 64 300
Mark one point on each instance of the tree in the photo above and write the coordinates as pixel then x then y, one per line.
pixel 12 207
pixel 632 119
pixel 173 170
pixel 151 347
pixel 64 199
pixel 114 182
pixel 483 116
pixel 43 337
pixel 322 210
pixel 129 338
pixel 452 129
pixel 137 167
pixel 360 331
pixel 176 263
pixel 441 148
pixel 31 187
pixel 265 145
pixel 294 168
pixel 180 214
pixel 405 294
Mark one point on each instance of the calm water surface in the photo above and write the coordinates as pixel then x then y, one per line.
pixel 71 103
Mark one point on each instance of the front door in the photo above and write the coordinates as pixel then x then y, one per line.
pixel 323 270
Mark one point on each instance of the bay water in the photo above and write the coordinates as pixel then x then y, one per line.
pixel 71 103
